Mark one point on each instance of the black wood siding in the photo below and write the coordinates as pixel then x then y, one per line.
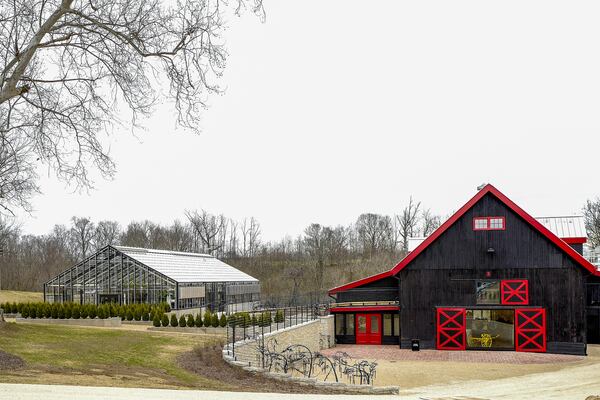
pixel 593 309
pixel 383 290
pixel 444 274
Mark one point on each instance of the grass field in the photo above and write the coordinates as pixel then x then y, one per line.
pixel 20 297
pixel 93 356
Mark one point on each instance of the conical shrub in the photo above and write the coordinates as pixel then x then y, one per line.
pixel 156 320
pixel 190 321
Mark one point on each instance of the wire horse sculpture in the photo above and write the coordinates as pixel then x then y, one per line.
pixel 299 359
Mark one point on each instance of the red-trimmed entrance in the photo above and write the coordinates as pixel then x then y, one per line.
pixel 530 329
pixel 368 328
pixel 451 326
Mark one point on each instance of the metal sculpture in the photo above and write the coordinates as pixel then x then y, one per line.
pixel 299 359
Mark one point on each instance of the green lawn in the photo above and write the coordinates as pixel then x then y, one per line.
pixel 20 297
pixel 94 356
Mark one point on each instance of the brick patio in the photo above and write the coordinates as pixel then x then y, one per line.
pixel 393 353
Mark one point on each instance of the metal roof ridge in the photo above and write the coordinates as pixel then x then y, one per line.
pixel 159 251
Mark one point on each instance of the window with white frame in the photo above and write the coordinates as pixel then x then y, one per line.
pixel 488 223
pixel 496 223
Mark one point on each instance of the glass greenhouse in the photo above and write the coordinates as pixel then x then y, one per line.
pixel 129 275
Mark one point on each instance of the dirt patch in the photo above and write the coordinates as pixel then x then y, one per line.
pixel 207 361
pixel 10 361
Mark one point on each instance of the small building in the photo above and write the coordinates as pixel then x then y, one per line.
pixel 130 275
pixel 491 277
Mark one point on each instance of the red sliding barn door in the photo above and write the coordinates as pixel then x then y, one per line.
pixel 451 329
pixel 530 329
pixel 514 291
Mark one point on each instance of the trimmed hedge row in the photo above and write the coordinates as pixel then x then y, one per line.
pixel 130 312
pixel 189 321
pixel 246 319
pixel 157 313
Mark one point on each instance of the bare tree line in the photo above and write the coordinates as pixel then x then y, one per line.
pixel 302 263
pixel 291 270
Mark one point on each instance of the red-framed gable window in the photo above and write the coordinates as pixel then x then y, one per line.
pixel 489 223
pixel 514 291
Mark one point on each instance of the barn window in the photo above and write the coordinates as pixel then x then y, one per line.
pixel 489 223
pixel 350 324
pixel 488 292
pixel 493 329
pixel 396 325
pixel 339 324
pixel 387 324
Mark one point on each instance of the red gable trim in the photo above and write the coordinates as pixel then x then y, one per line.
pixel 575 240
pixel 363 308
pixel 361 282
pixel 578 258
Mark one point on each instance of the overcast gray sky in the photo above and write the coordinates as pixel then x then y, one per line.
pixel 334 108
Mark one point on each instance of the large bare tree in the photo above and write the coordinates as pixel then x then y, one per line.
pixel 374 232
pixel 430 222
pixel 69 69
pixel 250 230
pixel 107 232
pixel 82 236
pixel 591 214
pixel 208 228
pixel 314 244
pixel 408 222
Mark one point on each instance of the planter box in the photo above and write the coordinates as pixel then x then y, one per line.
pixel 134 322
pixel 108 323
pixel 199 331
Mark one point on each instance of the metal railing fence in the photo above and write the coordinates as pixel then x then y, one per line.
pixel 252 325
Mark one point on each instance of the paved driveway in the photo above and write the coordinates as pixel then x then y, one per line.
pixel 529 388
pixel 59 392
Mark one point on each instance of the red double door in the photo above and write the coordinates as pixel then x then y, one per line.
pixel 530 329
pixel 368 328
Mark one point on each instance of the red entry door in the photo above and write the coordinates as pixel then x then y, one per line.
pixel 530 329
pixel 368 328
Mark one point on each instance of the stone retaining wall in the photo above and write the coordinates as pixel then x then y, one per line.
pixel 134 322
pixel 107 323
pixel 307 334
pixel 316 335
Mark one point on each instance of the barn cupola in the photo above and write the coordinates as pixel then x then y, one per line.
pixel 571 229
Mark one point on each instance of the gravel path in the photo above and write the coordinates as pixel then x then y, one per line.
pixel 575 383
pixel 393 353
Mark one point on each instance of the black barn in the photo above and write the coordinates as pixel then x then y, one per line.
pixel 491 277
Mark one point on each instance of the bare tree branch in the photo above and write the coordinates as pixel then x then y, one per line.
pixel 68 68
